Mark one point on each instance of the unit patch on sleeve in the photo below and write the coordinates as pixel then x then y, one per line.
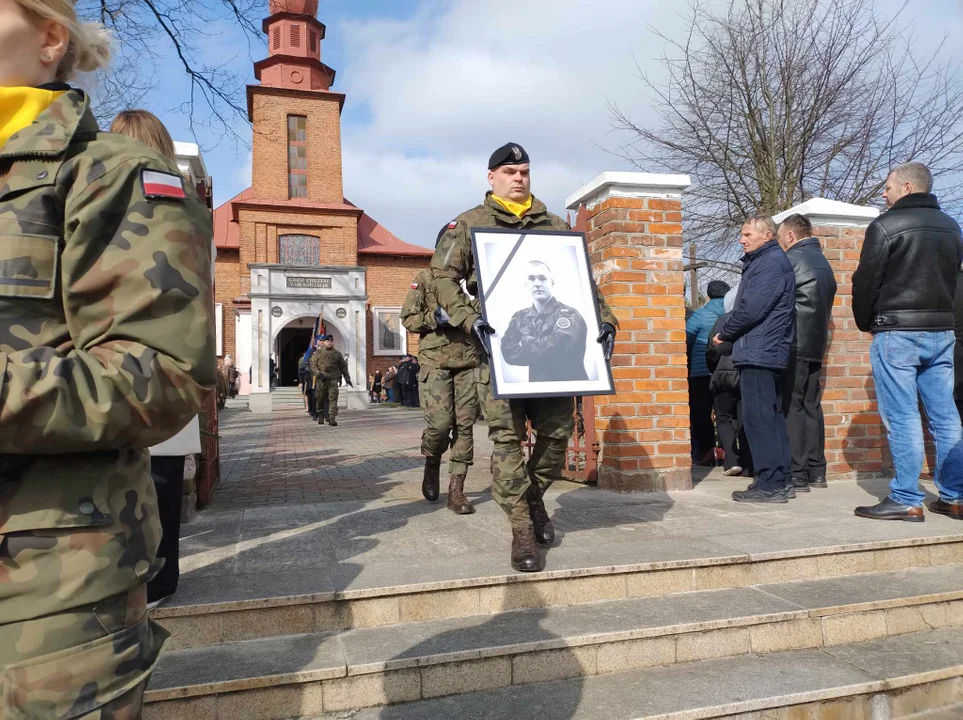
pixel 162 185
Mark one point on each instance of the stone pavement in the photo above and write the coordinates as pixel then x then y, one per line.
pixel 308 509
pixel 286 458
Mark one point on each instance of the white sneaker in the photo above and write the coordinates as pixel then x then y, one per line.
pixel 734 471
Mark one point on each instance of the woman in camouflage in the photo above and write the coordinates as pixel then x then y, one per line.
pixel 106 348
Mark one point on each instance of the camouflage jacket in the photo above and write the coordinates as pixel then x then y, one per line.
pixel 447 347
pixel 551 342
pixel 329 363
pixel 106 348
pixel 453 261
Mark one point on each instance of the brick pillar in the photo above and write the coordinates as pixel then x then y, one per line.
pixel 855 437
pixel 634 228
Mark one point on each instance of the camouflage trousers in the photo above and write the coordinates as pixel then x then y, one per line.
pixel 326 396
pixel 449 400
pixel 552 422
pixel 89 663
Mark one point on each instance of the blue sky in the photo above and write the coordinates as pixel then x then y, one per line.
pixel 433 86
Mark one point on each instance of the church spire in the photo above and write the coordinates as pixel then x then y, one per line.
pixel 294 43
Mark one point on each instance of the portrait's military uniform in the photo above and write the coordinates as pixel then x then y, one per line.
pixel 551 342
pixel 448 358
pixel 106 348
pixel 328 366
pixel 551 418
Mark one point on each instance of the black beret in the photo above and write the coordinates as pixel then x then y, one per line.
pixel 510 154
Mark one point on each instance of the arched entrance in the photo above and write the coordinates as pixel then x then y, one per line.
pixel 291 344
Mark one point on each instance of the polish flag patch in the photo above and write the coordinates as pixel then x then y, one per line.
pixel 414 286
pixel 452 225
pixel 161 184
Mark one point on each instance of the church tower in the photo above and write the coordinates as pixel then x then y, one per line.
pixel 296 116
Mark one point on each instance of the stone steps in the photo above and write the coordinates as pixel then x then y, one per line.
pixel 300 675
pixel 227 609
pixel 915 676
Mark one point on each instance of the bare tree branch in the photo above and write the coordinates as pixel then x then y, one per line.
pixel 769 103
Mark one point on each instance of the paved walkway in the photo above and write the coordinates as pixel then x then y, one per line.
pixel 304 509
pixel 286 458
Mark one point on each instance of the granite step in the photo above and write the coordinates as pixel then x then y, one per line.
pixel 240 607
pixel 377 666
pixel 918 676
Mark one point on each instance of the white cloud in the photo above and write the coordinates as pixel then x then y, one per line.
pixel 447 86
pixel 444 87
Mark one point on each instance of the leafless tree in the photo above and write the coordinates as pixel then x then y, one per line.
pixel 771 102
pixel 150 32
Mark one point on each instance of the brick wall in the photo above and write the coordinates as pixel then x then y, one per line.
pixel 270 143
pixel 388 280
pixel 635 246
pixel 227 287
pixel 855 437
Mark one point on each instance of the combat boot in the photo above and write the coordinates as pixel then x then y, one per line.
pixel 432 480
pixel 333 423
pixel 457 502
pixel 542 523
pixel 525 556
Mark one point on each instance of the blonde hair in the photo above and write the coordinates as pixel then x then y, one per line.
pixel 147 128
pixel 90 43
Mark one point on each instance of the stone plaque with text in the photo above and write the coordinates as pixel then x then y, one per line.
pixel 314 283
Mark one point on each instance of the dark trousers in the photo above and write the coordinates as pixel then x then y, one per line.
pixel 732 433
pixel 168 476
pixel 700 416
pixel 802 402
pixel 765 423
pixel 310 394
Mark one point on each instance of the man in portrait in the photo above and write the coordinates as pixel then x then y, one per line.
pixel 549 337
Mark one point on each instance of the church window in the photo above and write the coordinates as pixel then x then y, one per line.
pixel 295 36
pixel 313 38
pixel 297 156
pixel 276 38
pixel 302 250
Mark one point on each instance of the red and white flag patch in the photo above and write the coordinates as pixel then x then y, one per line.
pixel 414 286
pixel 452 225
pixel 162 184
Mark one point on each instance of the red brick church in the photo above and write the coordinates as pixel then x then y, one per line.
pixel 291 246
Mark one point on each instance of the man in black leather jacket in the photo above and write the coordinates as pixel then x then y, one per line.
pixel 903 292
pixel 802 397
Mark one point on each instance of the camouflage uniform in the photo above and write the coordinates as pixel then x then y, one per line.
pixel 106 348
pixel 557 332
pixel 551 418
pixel 328 365
pixel 448 360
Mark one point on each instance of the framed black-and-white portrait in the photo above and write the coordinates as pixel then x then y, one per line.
pixel 389 336
pixel 537 292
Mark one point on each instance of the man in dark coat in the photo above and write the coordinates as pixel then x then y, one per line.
pixel 815 292
pixel 903 293
pixel 958 349
pixel 762 328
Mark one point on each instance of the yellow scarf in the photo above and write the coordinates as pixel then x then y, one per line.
pixel 516 209
pixel 20 106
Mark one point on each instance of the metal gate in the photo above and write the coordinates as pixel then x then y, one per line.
pixel 210 471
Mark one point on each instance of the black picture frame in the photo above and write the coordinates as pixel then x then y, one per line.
pixel 558 370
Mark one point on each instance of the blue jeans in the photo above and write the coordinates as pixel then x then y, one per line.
pixel 390 392
pixel 908 365
pixel 766 427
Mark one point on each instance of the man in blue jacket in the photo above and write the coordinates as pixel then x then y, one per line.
pixel 698 330
pixel 762 327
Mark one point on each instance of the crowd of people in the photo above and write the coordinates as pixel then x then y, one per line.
pixel 756 352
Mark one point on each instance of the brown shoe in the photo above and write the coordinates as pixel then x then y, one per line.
pixel 457 502
pixel 541 522
pixel 431 480
pixel 953 510
pixel 525 556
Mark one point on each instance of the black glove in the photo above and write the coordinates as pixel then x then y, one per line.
pixel 441 317
pixel 606 339
pixel 348 380
pixel 482 330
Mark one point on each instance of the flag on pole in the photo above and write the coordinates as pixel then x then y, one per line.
pixel 319 329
